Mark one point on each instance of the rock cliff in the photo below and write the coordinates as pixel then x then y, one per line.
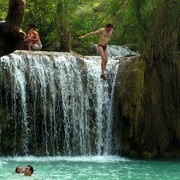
pixel 147 109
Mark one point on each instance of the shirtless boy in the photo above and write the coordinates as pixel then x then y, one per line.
pixel 34 40
pixel 104 38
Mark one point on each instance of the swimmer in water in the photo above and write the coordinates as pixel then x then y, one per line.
pixel 19 170
pixel 28 170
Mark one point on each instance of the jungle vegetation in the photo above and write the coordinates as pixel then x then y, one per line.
pixel 151 26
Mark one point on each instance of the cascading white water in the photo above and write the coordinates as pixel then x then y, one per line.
pixel 56 103
pixel 18 85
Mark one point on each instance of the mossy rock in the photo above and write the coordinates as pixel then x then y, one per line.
pixel 146 108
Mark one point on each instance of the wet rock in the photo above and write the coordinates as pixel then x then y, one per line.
pixel 146 110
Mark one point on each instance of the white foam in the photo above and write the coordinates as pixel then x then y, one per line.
pixel 96 159
pixel 2 162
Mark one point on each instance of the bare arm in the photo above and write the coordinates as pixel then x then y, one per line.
pixel 26 38
pixel 92 33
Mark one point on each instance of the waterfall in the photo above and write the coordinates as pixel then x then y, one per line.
pixel 55 104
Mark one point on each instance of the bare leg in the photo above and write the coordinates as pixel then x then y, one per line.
pixel 30 43
pixel 104 56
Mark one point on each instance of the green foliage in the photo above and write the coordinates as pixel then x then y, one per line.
pixel 156 25
pixel 3 9
pixel 141 23
pixel 41 13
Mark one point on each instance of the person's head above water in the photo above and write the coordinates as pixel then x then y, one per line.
pixel 19 169
pixel 29 170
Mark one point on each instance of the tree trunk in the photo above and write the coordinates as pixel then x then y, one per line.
pixel 64 28
pixel 11 35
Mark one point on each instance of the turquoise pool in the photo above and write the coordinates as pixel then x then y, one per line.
pixel 90 168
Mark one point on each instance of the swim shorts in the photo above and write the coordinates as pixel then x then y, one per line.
pixel 37 47
pixel 104 47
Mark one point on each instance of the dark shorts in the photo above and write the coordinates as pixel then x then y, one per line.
pixel 104 47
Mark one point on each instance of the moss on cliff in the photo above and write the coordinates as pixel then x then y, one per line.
pixel 132 81
pixel 147 109
pixel 129 90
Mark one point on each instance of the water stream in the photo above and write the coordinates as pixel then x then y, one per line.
pixel 55 104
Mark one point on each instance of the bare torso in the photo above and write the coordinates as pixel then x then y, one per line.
pixel 104 36
pixel 36 38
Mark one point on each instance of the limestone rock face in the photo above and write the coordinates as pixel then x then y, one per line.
pixel 11 35
pixel 147 110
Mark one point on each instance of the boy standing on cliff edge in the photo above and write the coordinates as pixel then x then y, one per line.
pixel 104 38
